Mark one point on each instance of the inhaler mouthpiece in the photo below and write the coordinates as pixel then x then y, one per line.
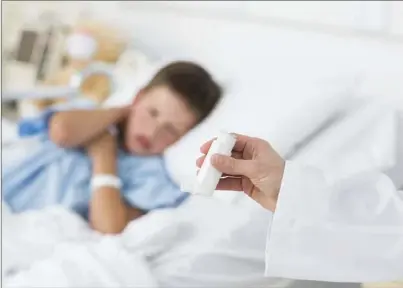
pixel 208 177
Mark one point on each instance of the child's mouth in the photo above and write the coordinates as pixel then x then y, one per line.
pixel 144 143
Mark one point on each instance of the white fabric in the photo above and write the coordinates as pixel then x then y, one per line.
pixel 55 248
pixel 395 173
pixel 216 243
pixel 132 79
pixel 318 101
pixel 81 46
pixel 184 247
pixel 131 64
pixel 333 229
pixel 8 131
pixel 218 247
pixel 365 139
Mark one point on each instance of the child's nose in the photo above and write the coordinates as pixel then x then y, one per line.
pixel 152 130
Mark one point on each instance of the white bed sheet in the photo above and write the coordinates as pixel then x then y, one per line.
pixel 163 249
pixel 38 242
pixel 54 247
pixel 212 243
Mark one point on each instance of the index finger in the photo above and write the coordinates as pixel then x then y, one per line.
pixel 240 143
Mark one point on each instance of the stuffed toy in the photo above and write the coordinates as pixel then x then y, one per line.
pixel 89 42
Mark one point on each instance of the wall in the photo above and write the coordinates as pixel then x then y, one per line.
pixel 246 41
pixel 16 14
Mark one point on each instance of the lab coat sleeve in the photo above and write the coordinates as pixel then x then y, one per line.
pixel 337 230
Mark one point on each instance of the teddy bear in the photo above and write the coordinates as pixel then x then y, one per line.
pixel 88 42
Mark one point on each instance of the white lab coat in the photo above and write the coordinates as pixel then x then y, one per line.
pixel 348 230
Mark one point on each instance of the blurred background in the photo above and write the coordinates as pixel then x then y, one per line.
pixel 247 45
pixel 235 38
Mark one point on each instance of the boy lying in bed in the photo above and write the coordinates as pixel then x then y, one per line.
pixel 106 164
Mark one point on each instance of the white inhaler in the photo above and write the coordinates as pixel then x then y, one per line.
pixel 208 177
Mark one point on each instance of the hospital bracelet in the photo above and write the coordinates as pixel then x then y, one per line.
pixel 105 180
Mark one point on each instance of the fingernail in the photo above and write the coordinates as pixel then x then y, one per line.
pixel 215 159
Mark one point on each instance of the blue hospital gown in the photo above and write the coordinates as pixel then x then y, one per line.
pixel 54 175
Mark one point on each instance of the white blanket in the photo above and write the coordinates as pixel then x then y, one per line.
pixel 55 248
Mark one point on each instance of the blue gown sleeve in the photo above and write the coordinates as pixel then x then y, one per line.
pixel 150 187
pixel 39 125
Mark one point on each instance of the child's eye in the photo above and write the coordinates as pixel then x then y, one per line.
pixel 153 112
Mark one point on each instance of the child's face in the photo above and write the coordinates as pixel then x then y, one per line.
pixel 159 117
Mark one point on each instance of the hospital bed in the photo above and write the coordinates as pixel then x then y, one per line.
pixel 208 242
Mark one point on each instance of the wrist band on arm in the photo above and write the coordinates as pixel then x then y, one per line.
pixel 105 180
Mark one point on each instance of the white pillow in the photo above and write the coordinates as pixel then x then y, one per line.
pixel 285 114
pixel 364 139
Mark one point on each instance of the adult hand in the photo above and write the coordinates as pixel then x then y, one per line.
pixel 254 168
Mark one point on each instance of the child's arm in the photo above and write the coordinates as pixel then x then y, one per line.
pixel 108 212
pixel 70 129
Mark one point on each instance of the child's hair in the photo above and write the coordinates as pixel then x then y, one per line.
pixel 193 83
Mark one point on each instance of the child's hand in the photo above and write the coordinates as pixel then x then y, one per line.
pixel 77 128
pixel 102 146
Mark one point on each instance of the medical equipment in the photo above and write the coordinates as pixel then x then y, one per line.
pixel 208 177
pixel 71 91
pixel 38 49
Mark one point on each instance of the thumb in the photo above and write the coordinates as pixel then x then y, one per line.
pixel 232 166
